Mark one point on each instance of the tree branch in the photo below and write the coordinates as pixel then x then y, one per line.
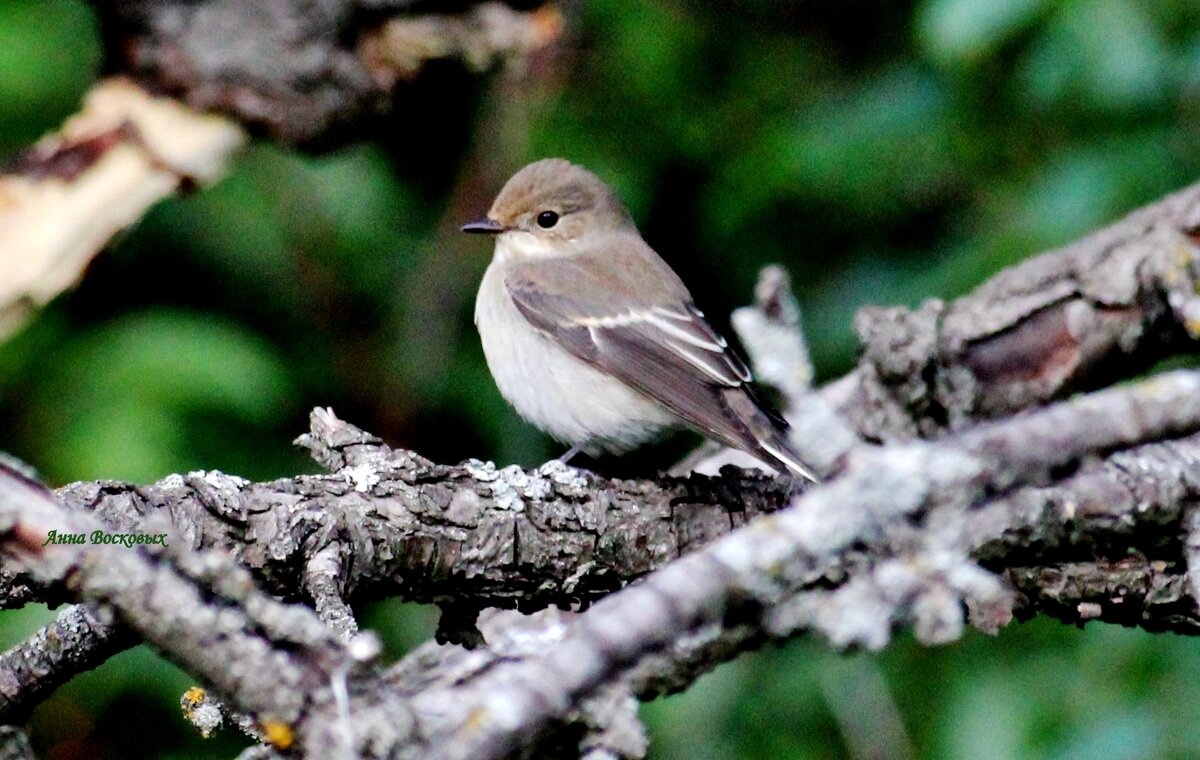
pixel 277 662
pixel 79 639
pixel 1074 318
pixel 887 542
pixel 889 535
pixel 304 72
pixel 402 525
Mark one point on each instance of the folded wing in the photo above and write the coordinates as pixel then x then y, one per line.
pixel 649 335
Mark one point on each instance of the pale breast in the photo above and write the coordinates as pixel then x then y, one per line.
pixel 549 387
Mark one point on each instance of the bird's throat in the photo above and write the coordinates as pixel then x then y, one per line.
pixel 518 245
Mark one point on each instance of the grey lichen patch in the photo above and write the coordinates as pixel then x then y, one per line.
pixel 567 480
pixel 362 477
pixel 511 486
pixel 508 486
pixel 482 471
pixel 218 479
pixel 220 493
pixel 207 719
pixel 202 710
pixel 172 482
pixel 537 488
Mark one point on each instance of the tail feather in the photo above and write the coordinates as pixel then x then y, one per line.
pixel 764 432
pixel 782 452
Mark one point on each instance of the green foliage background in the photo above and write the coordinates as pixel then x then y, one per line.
pixel 885 152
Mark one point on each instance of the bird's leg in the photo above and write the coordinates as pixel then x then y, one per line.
pixel 570 453
pixel 556 468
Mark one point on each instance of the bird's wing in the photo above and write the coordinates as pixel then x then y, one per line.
pixel 636 322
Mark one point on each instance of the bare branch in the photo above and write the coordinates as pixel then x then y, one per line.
pixel 471 533
pixel 277 662
pixel 771 333
pixel 767 568
pixel 78 640
pixel 884 543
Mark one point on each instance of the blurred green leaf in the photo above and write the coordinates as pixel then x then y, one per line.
pixel 962 32
pixel 1103 54
pixel 873 154
pixel 49 54
pixel 115 399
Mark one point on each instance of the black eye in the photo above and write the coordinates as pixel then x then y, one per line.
pixel 547 219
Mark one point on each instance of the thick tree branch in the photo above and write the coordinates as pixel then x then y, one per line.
pixel 122 578
pixel 79 639
pixel 1073 318
pixel 473 533
pixel 277 662
pixel 885 543
pixel 905 504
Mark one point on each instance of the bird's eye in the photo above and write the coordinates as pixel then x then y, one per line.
pixel 547 219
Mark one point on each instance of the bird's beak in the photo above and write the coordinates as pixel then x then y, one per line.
pixel 484 226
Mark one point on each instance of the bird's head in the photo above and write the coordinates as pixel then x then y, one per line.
pixel 554 201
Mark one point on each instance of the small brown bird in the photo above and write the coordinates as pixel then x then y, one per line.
pixel 594 339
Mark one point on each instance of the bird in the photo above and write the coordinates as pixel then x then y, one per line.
pixel 595 340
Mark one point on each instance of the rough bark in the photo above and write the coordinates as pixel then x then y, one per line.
pixel 887 542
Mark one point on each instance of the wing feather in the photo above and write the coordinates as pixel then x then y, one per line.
pixel 654 339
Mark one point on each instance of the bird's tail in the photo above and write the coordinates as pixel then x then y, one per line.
pixel 765 433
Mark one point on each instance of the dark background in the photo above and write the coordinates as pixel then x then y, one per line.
pixel 885 152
